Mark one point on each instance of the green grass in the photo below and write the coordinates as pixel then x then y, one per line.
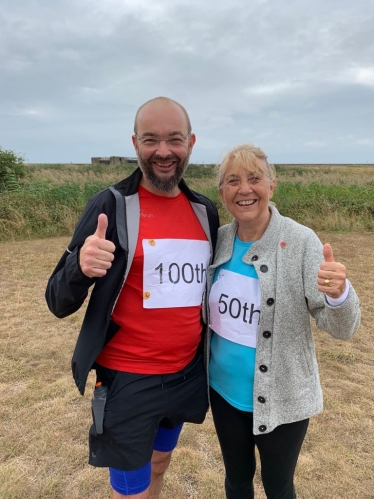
pixel 351 204
pixel 52 196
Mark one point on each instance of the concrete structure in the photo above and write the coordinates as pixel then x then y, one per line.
pixel 113 160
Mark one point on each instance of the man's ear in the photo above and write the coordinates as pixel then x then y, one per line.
pixel 135 143
pixel 192 141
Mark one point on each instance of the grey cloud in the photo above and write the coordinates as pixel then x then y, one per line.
pixel 281 73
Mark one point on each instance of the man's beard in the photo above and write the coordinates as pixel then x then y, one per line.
pixel 164 184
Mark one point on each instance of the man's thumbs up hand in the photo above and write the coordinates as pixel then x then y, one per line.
pixel 331 275
pixel 96 254
pixel 102 225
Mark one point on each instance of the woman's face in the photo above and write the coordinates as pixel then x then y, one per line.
pixel 247 194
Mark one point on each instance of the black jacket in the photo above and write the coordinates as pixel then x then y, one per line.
pixel 68 287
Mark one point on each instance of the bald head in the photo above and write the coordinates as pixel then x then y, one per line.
pixel 159 102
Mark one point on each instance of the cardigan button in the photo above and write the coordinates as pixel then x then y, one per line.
pixel 266 334
pixel 262 428
pixel 261 400
pixel 264 268
pixel 270 301
pixel 263 368
pixel 254 258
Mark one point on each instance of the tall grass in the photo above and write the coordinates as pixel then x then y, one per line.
pixel 52 197
pixel 42 210
pixel 328 207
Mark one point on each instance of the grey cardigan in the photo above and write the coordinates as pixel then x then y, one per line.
pixel 287 258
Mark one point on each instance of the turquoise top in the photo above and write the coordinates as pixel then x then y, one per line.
pixel 231 368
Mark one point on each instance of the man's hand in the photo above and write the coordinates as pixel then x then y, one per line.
pixel 96 254
pixel 331 275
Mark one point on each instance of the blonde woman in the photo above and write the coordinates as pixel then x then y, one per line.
pixel 269 276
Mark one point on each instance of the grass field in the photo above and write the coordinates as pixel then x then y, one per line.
pixel 337 198
pixel 44 420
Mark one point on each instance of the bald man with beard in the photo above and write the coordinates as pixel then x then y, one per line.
pixel 144 245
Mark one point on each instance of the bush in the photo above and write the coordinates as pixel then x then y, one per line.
pixel 12 169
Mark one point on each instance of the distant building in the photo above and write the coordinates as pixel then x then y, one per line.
pixel 113 160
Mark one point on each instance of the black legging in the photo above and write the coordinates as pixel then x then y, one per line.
pixel 279 451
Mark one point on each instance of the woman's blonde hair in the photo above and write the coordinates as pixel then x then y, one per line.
pixel 245 156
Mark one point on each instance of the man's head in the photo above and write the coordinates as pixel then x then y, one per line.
pixel 163 142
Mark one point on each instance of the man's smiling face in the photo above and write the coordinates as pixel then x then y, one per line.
pixel 162 162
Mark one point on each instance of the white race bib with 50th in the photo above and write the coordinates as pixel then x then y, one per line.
pixel 234 304
pixel 174 273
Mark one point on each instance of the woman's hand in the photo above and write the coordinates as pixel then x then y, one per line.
pixel 331 275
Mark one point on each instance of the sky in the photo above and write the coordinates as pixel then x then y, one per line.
pixel 294 77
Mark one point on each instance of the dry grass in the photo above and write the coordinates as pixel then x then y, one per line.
pixel 304 174
pixel 76 175
pixel 327 174
pixel 44 421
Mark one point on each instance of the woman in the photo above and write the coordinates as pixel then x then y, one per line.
pixel 270 274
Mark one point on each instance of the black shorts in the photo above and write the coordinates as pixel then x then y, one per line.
pixel 137 405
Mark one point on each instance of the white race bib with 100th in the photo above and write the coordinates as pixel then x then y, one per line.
pixel 174 273
pixel 234 304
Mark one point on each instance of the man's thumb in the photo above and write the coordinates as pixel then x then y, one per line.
pixel 102 225
pixel 328 255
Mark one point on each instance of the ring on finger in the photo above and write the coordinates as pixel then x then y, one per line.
pixel 326 282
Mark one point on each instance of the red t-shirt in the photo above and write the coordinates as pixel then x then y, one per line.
pixel 155 340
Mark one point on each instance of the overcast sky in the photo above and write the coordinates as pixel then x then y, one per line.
pixel 294 77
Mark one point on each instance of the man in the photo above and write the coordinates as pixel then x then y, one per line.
pixel 145 245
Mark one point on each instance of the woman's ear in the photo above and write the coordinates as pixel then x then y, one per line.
pixel 273 184
pixel 221 195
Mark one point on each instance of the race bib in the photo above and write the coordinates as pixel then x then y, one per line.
pixel 234 303
pixel 174 273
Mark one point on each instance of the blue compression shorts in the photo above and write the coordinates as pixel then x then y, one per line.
pixel 136 481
